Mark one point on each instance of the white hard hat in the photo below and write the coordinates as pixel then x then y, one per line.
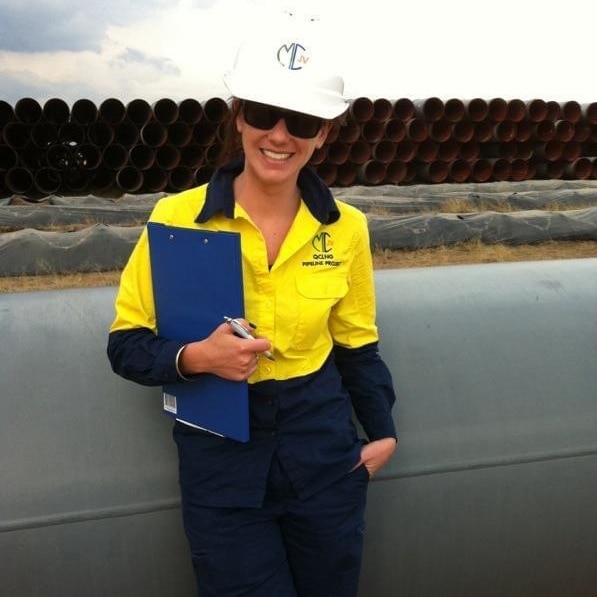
pixel 286 66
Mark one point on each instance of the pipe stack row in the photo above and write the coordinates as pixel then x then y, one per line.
pixel 114 148
pixel 108 149
pixel 432 141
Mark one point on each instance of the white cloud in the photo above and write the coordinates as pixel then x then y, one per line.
pixel 178 49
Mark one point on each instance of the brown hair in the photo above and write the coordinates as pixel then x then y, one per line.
pixel 231 142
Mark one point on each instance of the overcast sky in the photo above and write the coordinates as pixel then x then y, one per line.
pixel 386 48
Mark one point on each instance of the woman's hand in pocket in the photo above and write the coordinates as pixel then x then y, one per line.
pixel 376 454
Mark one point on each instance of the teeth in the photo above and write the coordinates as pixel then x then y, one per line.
pixel 275 155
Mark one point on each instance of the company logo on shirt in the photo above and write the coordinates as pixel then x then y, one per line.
pixel 293 56
pixel 322 244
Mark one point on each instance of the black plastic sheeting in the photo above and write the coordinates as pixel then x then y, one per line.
pixel 416 232
pixel 98 234
pixel 19 217
pixel 55 211
pixel 94 249
pixel 478 196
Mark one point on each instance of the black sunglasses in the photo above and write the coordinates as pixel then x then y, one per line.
pixel 265 118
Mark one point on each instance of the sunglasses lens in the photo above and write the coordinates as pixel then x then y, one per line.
pixel 260 116
pixel 265 117
pixel 302 125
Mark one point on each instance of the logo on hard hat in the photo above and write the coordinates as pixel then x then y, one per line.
pixel 293 56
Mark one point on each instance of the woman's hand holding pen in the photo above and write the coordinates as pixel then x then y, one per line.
pixel 224 354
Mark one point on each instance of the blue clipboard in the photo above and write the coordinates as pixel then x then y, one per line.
pixel 197 279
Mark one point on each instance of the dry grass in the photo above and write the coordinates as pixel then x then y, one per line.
pixel 463 253
pixel 464 205
pixel 58 282
pixel 477 252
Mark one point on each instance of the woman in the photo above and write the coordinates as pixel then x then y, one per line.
pixel 282 514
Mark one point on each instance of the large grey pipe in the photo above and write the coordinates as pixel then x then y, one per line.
pixel 493 489
pixel 492 492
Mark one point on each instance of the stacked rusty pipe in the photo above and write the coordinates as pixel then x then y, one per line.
pixel 110 148
pixel 432 141
pixel 169 146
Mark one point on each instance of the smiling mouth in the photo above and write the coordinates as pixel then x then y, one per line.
pixel 275 155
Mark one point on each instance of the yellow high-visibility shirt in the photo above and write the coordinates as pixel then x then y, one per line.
pixel 319 292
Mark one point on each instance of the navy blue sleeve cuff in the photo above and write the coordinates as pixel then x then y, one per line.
pixel 369 383
pixel 141 356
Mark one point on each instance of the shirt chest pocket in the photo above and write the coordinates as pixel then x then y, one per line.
pixel 315 298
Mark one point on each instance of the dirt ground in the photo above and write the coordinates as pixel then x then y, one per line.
pixel 465 253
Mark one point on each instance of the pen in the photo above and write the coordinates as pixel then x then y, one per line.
pixel 243 332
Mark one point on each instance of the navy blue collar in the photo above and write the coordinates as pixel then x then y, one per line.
pixel 220 195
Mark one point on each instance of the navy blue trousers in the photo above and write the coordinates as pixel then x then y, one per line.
pixel 287 548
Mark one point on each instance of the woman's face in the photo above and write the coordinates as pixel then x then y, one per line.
pixel 274 155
